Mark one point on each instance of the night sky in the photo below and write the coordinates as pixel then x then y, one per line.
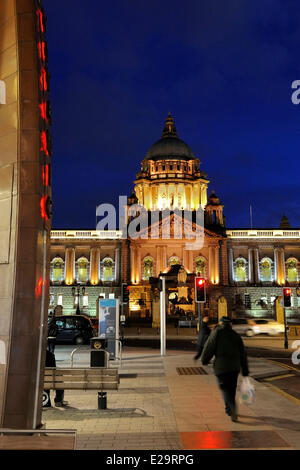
pixel 224 70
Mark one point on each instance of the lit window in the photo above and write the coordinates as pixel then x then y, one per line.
pixel 292 275
pixel 57 270
pixel 108 269
pixel 82 265
pixel 148 268
pixel 266 270
pixel 240 270
pixel 200 266
pixel 59 299
pixel 174 260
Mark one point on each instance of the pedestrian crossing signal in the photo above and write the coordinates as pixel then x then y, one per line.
pixel 200 289
pixel 286 297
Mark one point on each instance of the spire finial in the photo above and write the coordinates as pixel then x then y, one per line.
pixel 169 129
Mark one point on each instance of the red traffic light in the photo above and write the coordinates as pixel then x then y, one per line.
pixel 287 297
pixel 200 294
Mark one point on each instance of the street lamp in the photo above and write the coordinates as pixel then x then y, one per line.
pixel 78 294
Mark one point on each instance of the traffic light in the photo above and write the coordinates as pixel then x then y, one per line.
pixel 287 297
pixel 200 291
pixel 125 293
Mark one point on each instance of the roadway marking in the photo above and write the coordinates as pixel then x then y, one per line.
pixel 284 394
pixel 286 366
pixel 278 377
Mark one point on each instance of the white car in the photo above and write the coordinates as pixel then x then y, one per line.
pixel 252 327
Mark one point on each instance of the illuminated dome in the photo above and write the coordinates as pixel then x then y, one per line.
pixel 170 146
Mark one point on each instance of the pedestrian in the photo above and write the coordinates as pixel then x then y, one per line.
pixel 230 358
pixel 59 394
pixel 203 334
pixel 52 333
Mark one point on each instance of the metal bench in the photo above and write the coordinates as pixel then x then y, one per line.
pixel 37 439
pixel 94 378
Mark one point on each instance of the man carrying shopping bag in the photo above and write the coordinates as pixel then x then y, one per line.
pixel 230 357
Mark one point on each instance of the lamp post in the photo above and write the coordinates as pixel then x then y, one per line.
pixel 78 294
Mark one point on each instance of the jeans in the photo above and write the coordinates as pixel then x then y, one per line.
pixel 51 345
pixel 228 383
pixel 199 352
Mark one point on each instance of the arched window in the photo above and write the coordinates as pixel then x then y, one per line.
pixel 266 270
pixel 240 270
pixel 82 270
pixel 292 274
pixel 201 266
pixel 57 265
pixel 108 269
pixel 148 268
pixel 174 260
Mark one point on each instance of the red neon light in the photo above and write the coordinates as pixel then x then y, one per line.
pixel 43 208
pixel 200 282
pixel 40 18
pixel 41 51
pixel 287 291
pixel 43 110
pixel 38 290
pixel 45 175
pixel 44 146
pixel 43 79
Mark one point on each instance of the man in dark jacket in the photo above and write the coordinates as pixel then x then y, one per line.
pixel 230 357
pixel 204 332
pixel 59 395
pixel 52 333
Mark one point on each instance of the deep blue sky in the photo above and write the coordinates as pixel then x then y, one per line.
pixel 223 68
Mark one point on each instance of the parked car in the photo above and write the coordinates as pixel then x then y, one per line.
pixel 252 327
pixel 75 329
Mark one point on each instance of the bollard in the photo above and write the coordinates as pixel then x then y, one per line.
pixel 102 401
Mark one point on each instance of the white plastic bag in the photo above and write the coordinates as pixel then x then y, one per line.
pixel 247 391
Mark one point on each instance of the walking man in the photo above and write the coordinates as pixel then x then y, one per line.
pixel 52 333
pixel 230 358
pixel 204 332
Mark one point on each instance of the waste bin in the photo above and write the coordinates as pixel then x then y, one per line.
pixel 99 358
pixel 98 352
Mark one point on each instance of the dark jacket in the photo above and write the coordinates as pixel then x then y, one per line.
pixel 52 329
pixel 204 332
pixel 228 348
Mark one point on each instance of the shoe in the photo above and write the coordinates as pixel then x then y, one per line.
pixel 61 403
pixel 234 416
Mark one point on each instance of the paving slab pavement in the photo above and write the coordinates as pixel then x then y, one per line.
pixel 155 408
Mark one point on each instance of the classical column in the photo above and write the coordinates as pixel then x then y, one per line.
pixel 250 266
pixel 211 264
pixel 191 267
pixel 132 263
pixel 94 266
pixel 117 265
pixel 158 260
pixel 230 266
pixel 283 270
pixel 69 266
pixel 279 266
pixel 185 259
pixel 138 264
pixel 164 260
pixel 217 264
pixel 256 275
